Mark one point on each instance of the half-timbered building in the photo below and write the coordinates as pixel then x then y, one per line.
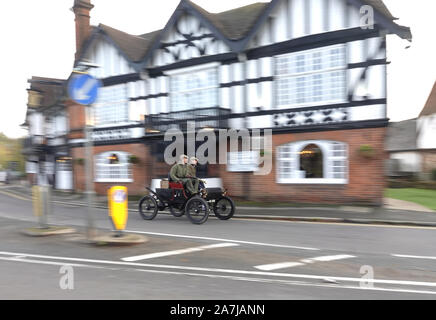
pixel 312 71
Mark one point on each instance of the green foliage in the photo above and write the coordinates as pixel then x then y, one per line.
pixel 79 161
pixel 10 150
pixel 366 151
pixel 433 174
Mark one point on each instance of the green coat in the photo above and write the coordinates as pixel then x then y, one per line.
pixel 191 171
pixel 178 172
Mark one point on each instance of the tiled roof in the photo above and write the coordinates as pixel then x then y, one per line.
pixel 133 46
pixel 234 24
pixel 430 105
pixel 380 7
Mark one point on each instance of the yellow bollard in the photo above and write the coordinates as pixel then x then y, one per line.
pixel 118 210
pixel 37 203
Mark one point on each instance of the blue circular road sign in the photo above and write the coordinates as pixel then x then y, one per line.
pixel 83 88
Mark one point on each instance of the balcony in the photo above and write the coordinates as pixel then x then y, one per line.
pixel 34 144
pixel 178 120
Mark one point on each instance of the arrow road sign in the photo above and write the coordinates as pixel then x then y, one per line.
pixel 83 88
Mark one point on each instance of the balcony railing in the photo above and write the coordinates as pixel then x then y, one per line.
pixel 178 120
pixel 34 144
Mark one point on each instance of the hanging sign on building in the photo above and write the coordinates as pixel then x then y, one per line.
pixel 244 161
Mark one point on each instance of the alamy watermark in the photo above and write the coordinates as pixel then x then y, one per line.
pixel 228 141
pixel 367 17
pixel 367 277
pixel 67 280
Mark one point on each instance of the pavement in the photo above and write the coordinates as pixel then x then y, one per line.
pixel 393 212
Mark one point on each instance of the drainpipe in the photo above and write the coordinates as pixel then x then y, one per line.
pixel 242 58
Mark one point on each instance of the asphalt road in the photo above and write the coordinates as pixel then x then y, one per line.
pixel 235 259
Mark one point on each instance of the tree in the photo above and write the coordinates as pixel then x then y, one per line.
pixel 10 150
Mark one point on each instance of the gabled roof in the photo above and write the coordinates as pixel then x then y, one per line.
pixel 430 105
pixel 134 47
pixel 235 23
pixel 235 27
pixel 380 7
pixel 402 136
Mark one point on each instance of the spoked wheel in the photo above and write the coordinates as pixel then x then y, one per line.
pixel 197 210
pixel 224 208
pixel 148 208
pixel 176 212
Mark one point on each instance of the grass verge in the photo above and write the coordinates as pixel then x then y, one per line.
pixel 426 198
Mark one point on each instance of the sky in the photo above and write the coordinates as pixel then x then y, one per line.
pixel 39 40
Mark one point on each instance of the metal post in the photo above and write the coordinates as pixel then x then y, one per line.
pixel 88 173
pixel 242 57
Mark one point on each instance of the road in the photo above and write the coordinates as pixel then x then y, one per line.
pixel 235 259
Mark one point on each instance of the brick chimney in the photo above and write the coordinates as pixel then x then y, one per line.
pixel 81 10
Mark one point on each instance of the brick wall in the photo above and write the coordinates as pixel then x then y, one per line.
pixel 428 160
pixel 365 186
pixel 366 176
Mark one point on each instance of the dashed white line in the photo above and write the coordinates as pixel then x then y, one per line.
pixel 178 252
pixel 283 265
pixel 226 271
pixel 224 240
pixel 276 266
pixel 332 258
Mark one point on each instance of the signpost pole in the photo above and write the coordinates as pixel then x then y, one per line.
pixel 91 232
pixel 83 89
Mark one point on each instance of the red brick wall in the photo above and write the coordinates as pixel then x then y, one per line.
pixel 428 160
pixel 76 120
pixel 140 171
pixel 365 186
pixel 82 19
pixel 366 176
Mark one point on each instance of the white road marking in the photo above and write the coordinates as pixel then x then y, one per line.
pixel 231 271
pixel 275 266
pixel 414 257
pixel 178 252
pixel 224 240
pixel 290 282
pixel 332 258
pixel 235 278
pixel 308 261
pixel 21 259
pixel 283 265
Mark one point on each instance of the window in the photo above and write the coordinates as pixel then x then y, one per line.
pixel 194 90
pixel 312 162
pixel 112 167
pixel 112 105
pixel 311 77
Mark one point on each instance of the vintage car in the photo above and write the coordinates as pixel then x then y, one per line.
pixel 176 198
